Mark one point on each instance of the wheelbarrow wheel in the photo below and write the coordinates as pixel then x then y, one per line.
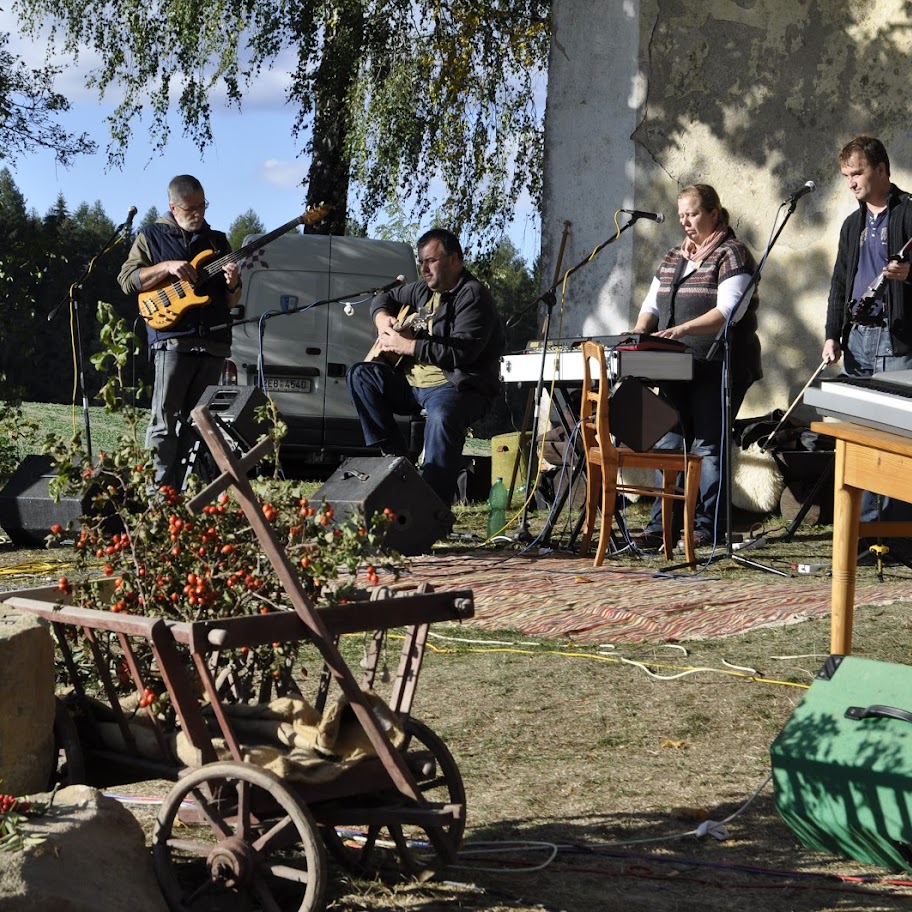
pixel 233 836
pixel 440 782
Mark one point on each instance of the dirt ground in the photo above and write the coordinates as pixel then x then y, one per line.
pixel 587 772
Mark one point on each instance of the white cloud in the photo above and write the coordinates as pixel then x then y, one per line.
pixel 267 92
pixel 281 173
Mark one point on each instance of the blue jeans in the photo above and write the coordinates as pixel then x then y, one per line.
pixel 699 405
pixel 380 392
pixel 869 350
pixel 181 379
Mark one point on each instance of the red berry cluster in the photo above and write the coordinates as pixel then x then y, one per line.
pixel 10 804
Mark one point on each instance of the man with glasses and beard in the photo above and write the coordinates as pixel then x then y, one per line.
pixel 188 356
pixel 450 367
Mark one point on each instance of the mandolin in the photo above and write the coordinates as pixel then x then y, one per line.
pixel 867 310
pixel 163 306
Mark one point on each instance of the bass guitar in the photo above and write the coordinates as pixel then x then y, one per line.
pixel 163 306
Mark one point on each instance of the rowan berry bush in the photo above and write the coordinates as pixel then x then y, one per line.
pixel 142 551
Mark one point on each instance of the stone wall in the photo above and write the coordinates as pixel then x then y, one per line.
pixel 752 96
pixel 26 702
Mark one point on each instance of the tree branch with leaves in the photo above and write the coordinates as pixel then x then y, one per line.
pixel 412 99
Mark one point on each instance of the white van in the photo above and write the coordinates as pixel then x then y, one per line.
pixel 302 347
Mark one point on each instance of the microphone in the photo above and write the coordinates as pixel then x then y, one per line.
pixel 806 187
pixel 399 280
pixel 130 213
pixel 654 216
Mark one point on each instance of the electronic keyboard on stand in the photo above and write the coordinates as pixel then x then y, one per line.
pixel 883 401
pixel 628 355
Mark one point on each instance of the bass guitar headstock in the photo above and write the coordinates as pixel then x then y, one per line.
pixel 314 214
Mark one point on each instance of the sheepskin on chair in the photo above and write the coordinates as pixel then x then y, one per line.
pixel 757 483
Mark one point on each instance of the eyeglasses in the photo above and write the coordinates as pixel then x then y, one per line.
pixel 201 208
pixel 431 260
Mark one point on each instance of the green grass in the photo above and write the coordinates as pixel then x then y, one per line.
pixel 67 421
pixel 106 429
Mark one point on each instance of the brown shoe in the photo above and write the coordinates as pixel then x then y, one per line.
pixel 647 541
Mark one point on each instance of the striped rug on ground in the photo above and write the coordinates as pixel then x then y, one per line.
pixel 564 596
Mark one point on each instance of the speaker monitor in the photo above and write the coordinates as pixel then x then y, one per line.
pixel 27 510
pixel 842 765
pixel 640 417
pixel 372 483
pixel 235 407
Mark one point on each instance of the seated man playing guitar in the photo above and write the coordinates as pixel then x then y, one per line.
pixel 450 368
pixel 189 354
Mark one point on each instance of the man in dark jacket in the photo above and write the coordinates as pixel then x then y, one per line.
pixel 876 338
pixel 190 352
pixel 450 367
pixel 870 236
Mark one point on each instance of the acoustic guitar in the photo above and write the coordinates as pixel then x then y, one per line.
pixel 417 320
pixel 163 306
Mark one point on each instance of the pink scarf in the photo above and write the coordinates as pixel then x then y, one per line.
pixel 697 254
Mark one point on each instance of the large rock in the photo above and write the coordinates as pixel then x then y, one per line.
pixel 26 702
pixel 94 857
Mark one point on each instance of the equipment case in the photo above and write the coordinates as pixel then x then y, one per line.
pixel 842 765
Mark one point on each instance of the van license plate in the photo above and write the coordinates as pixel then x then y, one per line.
pixel 288 384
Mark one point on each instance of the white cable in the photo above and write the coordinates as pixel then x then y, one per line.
pixel 500 848
pixel 450 639
pixel 674 677
pixel 745 668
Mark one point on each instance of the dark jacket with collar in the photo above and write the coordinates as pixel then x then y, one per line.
pixel 166 240
pixel 898 298
pixel 467 336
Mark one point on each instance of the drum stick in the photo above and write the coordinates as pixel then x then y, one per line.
pixel 775 430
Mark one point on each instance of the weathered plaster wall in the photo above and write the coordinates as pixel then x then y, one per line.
pixel 752 96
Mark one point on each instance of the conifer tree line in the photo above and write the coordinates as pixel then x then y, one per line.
pixel 42 256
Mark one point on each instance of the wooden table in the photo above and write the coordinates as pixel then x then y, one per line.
pixel 866 460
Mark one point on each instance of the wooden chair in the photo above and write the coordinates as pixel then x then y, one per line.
pixel 604 460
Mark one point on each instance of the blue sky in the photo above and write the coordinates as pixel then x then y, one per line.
pixel 253 162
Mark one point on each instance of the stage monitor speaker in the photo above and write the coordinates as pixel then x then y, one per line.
pixel 27 510
pixel 640 417
pixel 372 483
pixel 235 407
pixel 842 765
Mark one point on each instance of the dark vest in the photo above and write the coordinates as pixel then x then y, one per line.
pixel 169 242
pixel 680 300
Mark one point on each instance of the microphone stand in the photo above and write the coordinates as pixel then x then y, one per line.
pixel 72 297
pixel 722 339
pixel 549 298
pixel 269 314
